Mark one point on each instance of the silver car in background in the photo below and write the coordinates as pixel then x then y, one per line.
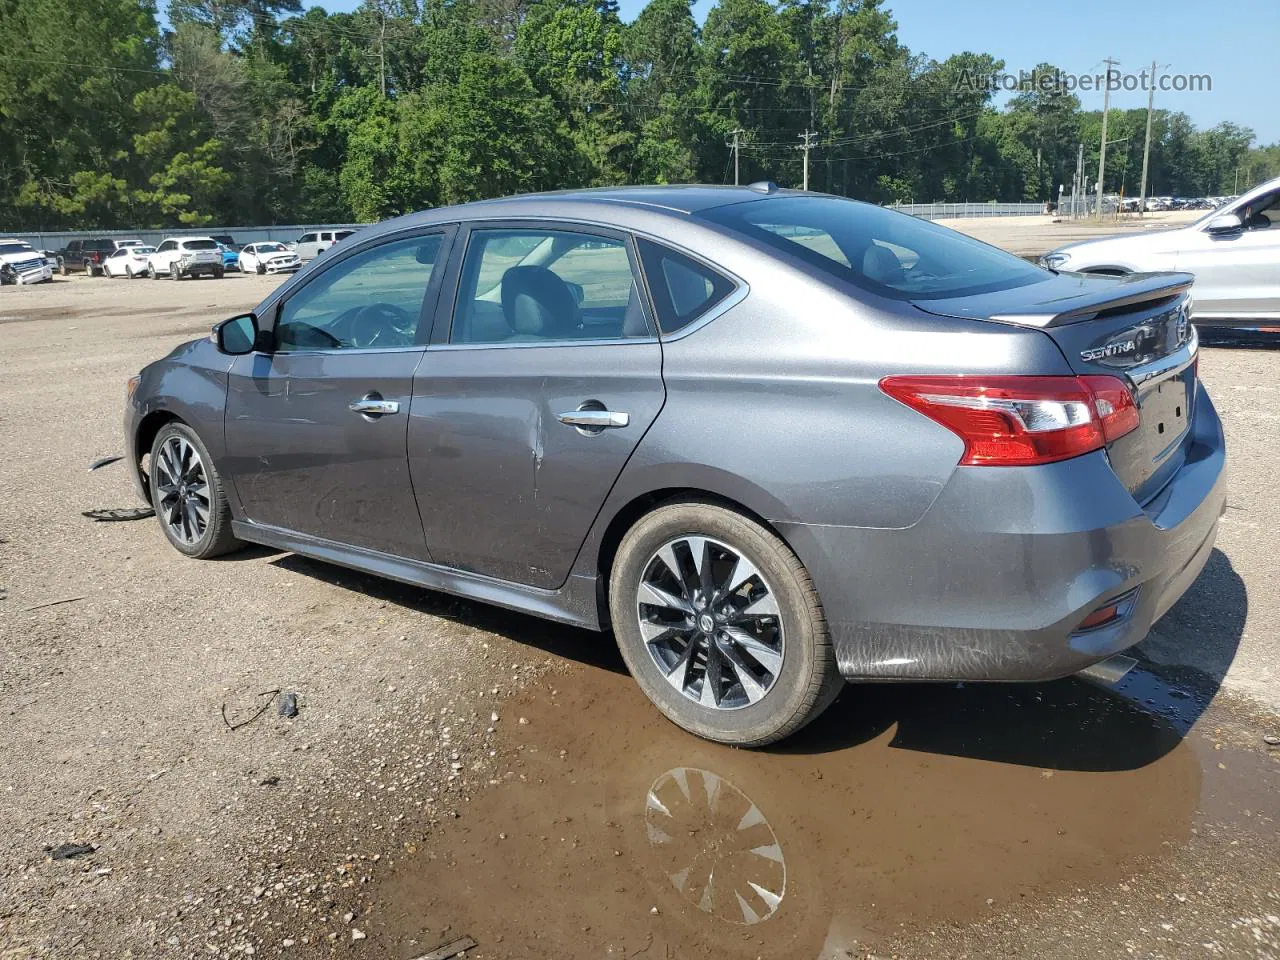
pixel 773 440
pixel 1233 253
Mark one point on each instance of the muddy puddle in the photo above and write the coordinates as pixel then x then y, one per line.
pixel 904 807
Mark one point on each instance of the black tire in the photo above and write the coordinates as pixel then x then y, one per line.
pixel 174 272
pixel 261 269
pixel 218 272
pixel 807 680
pixel 217 538
pixel 63 268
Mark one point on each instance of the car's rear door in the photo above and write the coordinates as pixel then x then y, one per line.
pixel 315 429
pixel 543 376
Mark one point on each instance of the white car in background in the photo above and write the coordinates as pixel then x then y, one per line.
pixel 21 263
pixel 268 256
pixel 130 261
pixel 180 257
pixel 311 245
pixel 1234 253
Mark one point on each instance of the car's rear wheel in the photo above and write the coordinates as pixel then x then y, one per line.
pixel 174 272
pixel 720 625
pixel 128 272
pixel 63 268
pixel 218 272
pixel 186 492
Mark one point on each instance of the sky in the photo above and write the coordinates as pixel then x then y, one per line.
pixel 1232 41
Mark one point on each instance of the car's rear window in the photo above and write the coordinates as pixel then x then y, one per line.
pixel 199 245
pixel 885 252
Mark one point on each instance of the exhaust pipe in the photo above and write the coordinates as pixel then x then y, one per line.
pixel 1110 671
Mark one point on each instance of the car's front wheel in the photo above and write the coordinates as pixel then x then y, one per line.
pixel 186 492
pixel 720 625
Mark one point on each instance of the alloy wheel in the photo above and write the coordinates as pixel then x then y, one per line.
pixel 710 622
pixel 183 486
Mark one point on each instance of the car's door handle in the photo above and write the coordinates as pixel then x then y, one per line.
pixel 599 419
pixel 374 406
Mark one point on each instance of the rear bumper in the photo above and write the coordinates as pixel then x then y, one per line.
pixel 994 580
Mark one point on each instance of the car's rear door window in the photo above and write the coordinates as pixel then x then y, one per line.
pixel 683 289
pixel 536 286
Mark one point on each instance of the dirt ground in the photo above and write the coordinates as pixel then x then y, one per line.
pixel 458 771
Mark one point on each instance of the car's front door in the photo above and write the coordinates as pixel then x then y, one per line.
pixel 523 419
pixel 164 256
pixel 315 429
pixel 1238 272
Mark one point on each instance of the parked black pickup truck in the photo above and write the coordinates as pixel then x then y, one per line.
pixel 86 255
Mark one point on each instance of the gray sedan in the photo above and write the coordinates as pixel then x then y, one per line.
pixel 773 440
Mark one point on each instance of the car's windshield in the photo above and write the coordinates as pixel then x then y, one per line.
pixel 141 250
pixel 8 248
pixel 199 245
pixel 882 251
pixel 270 248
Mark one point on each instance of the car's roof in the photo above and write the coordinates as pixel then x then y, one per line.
pixel 679 201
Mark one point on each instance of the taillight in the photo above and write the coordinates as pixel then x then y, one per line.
pixel 1022 421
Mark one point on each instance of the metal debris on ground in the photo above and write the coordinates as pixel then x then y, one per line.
pixel 289 705
pixel 261 710
pixel 117 514
pixel 104 462
pixel 69 850
pixel 53 603
pixel 447 950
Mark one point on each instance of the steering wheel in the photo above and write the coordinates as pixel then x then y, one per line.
pixel 380 325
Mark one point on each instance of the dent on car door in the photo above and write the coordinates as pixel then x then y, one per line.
pixel 524 419
pixel 315 429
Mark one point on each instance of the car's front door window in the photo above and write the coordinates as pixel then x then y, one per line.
pixel 371 300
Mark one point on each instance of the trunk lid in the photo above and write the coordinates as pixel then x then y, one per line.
pixel 1136 328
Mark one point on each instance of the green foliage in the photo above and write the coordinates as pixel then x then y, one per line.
pixel 253 110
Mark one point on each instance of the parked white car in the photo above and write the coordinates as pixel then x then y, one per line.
pixel 128 261
pixel 311 245
pixel 1233 251
pixel 268 256
pixel 131 243
pixel 22 263
pixel 179 257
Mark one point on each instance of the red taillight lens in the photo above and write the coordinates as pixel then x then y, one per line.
pixel 1022 421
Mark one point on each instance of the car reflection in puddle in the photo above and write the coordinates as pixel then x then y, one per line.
pixel 903 806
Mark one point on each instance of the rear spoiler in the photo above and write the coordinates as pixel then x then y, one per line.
pixel 1131 289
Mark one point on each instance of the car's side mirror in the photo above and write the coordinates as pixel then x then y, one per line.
pixel 1226 223
pixel 237 336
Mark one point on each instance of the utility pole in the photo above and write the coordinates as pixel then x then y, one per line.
pixel 1102 152
pixel 737 145
pixel 1079 177
pixel 808 139
pixel 1146 148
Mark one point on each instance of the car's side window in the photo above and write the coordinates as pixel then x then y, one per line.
pixel 307 238
pixel 682 288
pixel 536 286
pixel 1263 213
pixel 368 301
pixel 166 246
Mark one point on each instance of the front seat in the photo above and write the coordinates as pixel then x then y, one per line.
pixel 882 265
pixel 538 305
